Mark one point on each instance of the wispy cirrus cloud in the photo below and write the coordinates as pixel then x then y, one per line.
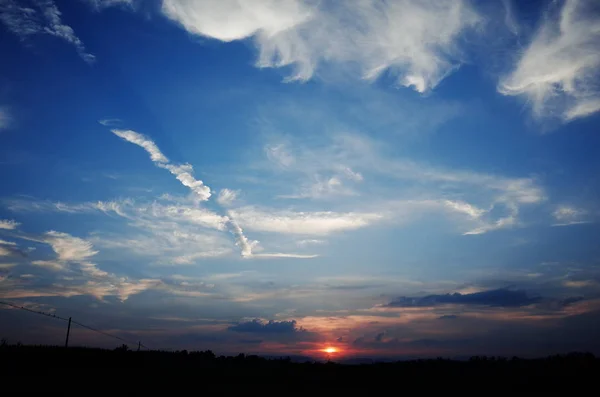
pixel 227 197
pixel 32 17
pixel 8 250
pixel 485 201
pixel 418 41
pixel 161 230
pixel 69 248
pixel 558 71
pixel 73 255
pixel 567 215
pixel 101 4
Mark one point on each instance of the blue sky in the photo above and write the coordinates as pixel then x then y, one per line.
pixel 397 178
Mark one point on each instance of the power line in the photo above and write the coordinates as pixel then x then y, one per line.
pixel 34 311
pixel 74 322
pixel 105 333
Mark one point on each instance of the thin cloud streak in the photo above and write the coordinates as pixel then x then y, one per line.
pixel 182 172
pixel 302 223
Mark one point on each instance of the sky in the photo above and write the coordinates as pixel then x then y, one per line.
pixel 394 178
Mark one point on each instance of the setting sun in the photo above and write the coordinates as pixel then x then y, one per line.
pixel 330 350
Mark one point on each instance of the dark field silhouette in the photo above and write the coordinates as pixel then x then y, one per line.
pixel 573 370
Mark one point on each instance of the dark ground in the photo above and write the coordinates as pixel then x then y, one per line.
pixel 484 375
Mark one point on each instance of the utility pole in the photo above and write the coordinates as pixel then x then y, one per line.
pixel 139 345
pixel 68 331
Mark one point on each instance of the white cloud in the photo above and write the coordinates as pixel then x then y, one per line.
pixel 465 208
pixel 322 188
pixel 165 231
pixel 72 258
pixel 319 177
pixel 84 277
pixel 309 223
pixel 101 4
pixel 558 71
pixel 192 258
pixel 121 287
pixel 519 190
pixel 92 270
pixel 478 215
pixel 4 242
pixel 348 173
pixel 166 242
pixel 227 197
pixel 8 224
pixel 501 223
pixel 280 155
pixel 110 122
pixel 143 141
pixel 343 153
pixel 31 17
pixel 580 283
pixel 5 266
pixel 509 17
pixel 125 288
pixel 416 40
pixel 567 215
pixel 185 214
pixel 583 108
pixel 311 242
pixel 246 246
pixel 283 255
pixel 69 248
pixel 182 172
pixel 489 202
pixel 56 266
pixel 230 20
pixel 473 219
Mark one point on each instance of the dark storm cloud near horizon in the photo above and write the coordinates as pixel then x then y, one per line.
pixel 448 317
pixel 270 327
pixel 502 297
pixel 272 331
pixel 574 333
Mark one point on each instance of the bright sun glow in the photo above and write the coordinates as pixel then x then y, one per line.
pixel 330 350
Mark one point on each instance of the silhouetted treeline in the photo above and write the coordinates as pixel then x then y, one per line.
pixel 572 370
